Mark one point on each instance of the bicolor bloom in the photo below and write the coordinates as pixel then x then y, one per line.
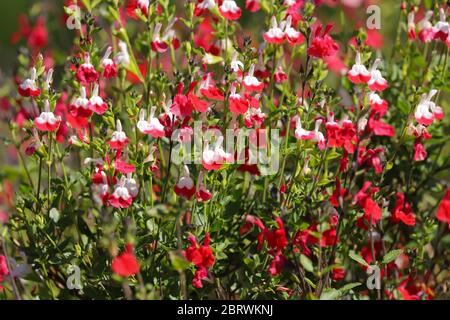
pixel 80 106
pixel 251 83
pixel 86 72
pixel 203 194
pixel 123 57
pixel 213 159
pixel 47 120
pixel 427 111
pixel 121 197
pixel 359 73
pixel 185 186
pixel 134 5
pixel 275 34
pixel 412 35
pixel 152 126
pixel 203 5
pixel 237 103
pixel 209 89
pixel 108 65
pixel 125 264
pixel 28 88
pixel 442 28
pixel 377 82
pixel 229 10
pixel 378 105
pixel 119 138
pixel 96 103
pixel 236 65
pixel 158 45
pixel 292 36
pixel 301 133
pixel 426 30
pixel 318 136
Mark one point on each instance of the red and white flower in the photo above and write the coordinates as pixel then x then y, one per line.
pixel 293 36
pixel 47 121
pixel 275 34
pixel 442 28
pixel 28 88
pixel 237 103
pixel 185 186
pixel 213 159
pixel 121 197
pixel 123 57
pixel 318 136
pixel 152 126
pixel 158 45
pixel 236 65
pixel 203 5
pixel 209 89
pixel 80 106
pixel 229 10
pixel 411 26
pixel 302 134
pixel 203 194
pixel 119 139
pixel 251 83
pixel 377 82
pixel 359 73
pixel 108 65
pixel 426 30
pixel 96 103
pixel 86 72
pixel 427 111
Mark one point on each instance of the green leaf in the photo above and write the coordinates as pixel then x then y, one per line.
pixel 391 256
pixel 306 263
pixel 330 294
pixel 358 258
pixel 179 262
pixel 349 286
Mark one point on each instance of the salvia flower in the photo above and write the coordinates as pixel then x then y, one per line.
pixel 377 82
pixel 402 211
pixel 322 45
pixel 230 10
pixel 427 111
pixel 213 159
pixel 275 34
pixel 412 35
pixel 28 88
pixel 301 133
pixel 108 65
pixel 79 108
pixel 359 73
pixel 152 126
pixel 443 211
pixel 185 186
pixel 96 103
pixel 251 83
pixel 121 197
pixel 119 138
pixel 86 72
pixel 426 30
pixel 201 256
pixel 47 121
pixel 442 27
pixel 292 36
pixel 126 264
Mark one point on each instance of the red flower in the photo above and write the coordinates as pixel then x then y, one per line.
pixel 126 264
pixel 201 256
pixel 322 46
pixel 402 211
pixel 443 212
pixel 86 72
pixel 372 212
pixel 420 154
pixel 229 10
